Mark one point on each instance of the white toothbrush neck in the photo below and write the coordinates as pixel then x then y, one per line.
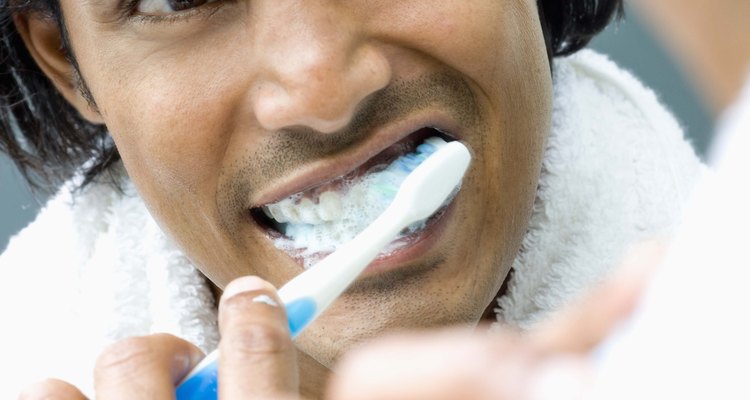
pixel 330 277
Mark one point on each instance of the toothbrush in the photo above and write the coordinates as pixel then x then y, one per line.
pixel 422 192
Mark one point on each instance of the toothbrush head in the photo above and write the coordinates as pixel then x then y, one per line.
pixel 433 183
pixel 389 180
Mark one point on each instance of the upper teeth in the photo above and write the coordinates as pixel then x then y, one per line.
pixel 305 211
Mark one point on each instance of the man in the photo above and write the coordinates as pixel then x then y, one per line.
pixel 219 110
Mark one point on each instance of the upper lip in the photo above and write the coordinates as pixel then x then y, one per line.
pixel 328 169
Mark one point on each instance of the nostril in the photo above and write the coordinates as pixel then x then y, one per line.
pixel 326 110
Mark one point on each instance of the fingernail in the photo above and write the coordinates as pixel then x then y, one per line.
pixel 244 285
pixel 560 379
pixel 265 299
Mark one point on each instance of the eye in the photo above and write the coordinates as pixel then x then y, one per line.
pixel 166 7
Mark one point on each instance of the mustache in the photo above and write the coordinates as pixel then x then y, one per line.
pixel 289 148
pixel 294 146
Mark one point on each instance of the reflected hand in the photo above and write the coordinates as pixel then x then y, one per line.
pixel 711 37
pixel 551 362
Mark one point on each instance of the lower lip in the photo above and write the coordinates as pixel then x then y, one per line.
pixel 420 245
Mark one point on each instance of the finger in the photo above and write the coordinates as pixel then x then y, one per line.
pixel 52 389
pixel 586 322
pixel 257 357
pixel 144 367
pixel 446 365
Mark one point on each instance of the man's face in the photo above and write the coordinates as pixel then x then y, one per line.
pixel 227 106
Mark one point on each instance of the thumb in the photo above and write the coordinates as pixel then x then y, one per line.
pixel 257 357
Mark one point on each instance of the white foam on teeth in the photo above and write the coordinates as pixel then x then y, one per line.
pixel 329 205
pixel 311 227
pixel 308 212
pixel 353 211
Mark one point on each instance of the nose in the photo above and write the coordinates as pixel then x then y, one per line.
pixel 316 65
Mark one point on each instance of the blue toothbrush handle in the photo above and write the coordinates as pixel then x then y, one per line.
pixel 203 382
pixel 300 312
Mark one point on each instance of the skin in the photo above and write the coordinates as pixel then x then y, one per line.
pixel 711 38
pixel 217 110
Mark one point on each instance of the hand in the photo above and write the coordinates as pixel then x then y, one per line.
pixel 257 357
pixel 550 362
pixel 711 37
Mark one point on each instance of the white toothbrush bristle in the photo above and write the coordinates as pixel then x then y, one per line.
pixel 405 165
pixel 436 141
pixel 435 181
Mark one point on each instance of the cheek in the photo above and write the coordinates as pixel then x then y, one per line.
pixel 511 72
pixel 487 40
pixel 171 127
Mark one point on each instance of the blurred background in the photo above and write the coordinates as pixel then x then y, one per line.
pixel 628 43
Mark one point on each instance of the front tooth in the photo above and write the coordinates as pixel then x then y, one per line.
pixel 329 206
pixel 288 211
pixel 267 211
pixel 307 212
pixel 274 211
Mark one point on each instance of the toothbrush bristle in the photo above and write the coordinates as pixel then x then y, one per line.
pixel 426 148
pixel 436 142
pixel 405 165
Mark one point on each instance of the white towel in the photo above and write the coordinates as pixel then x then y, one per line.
pixel 617 170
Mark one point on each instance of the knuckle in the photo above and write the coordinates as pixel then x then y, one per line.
pixel 125 355
pixel 259 339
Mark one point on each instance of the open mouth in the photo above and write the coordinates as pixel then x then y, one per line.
pixel 312 223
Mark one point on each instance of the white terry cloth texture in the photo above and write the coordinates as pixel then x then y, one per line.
pixel 96 268
pixel 617 170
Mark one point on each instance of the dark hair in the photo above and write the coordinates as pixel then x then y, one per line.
pixel 50 142
pixel 42 133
